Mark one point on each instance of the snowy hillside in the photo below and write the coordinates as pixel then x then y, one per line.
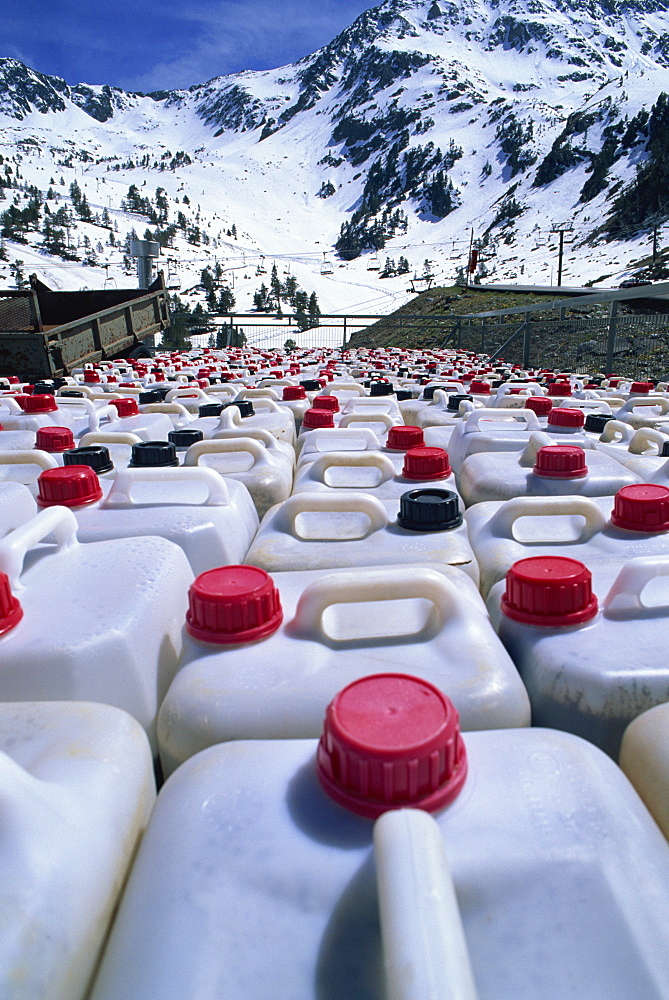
pixel 423 125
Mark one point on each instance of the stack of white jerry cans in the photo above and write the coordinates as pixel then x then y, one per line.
pixel 386 633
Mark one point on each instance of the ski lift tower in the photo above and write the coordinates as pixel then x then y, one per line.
pixel 144 251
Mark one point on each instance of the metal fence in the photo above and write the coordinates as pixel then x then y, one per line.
pixel 635 346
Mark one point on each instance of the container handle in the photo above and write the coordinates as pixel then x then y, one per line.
pixel 120 494
pixel 223 389
pixel 256 450
pixel 109 437
pixel 265 438
pixel 634 401
pixel 369 585
pixel 189 390
pixel 58 521
pixel 353 387
pixel 373 417
pixel 299 503
pixel 259 394
pixel 538 439
pixel 645 436
pixel 616 430
pixel 425 952
pixel 351 459
pixel 502 522
pixel 11 404
pixel 96 413
pixel 527 417
pixel 624 597
pixel 174 407
pixel 34 456
pixel 308 444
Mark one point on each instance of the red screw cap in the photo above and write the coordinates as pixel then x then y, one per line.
pixel 11 611
pixel 232 605
pixel 549 591
pixel 426 464
pixel 540 404
pixel 560 461
pixel 562 416
pixel 391 741
pixel 559 389
pixel 293 392
pixel 126 406
pixel 330 403
pixel 69 486
pixel 91 376
pixel 641 388
pixel 477 385
pixel 403 437
pixel 318 418
pixel 641 508
pixel 54 439
pixel 43 402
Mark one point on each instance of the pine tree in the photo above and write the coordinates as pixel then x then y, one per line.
pixel 314 310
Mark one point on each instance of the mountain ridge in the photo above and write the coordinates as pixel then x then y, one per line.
pixel 419 122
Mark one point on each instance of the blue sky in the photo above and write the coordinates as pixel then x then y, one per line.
pixel 162 44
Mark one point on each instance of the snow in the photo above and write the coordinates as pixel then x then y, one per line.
pixel 269 189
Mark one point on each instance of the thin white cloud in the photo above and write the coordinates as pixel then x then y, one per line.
pixel 232 35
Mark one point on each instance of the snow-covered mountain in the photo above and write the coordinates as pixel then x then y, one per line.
pixel 421 126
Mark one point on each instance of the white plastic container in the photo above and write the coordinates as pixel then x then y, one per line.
pixel 411 408
pixel 645 411
pixel 542 469
pixel 127 418
pixel 262 413
pixel 77 792
pixel 212 520
pixel 18 440
pixel 489 430
pixel 588 669
pixel 644 757
pixel 95 622
pixel 267 475
pixel 446 409
pixel 319 441
pixel 376 473
pixel 272 887
pixel 602 530
pixel 647 451
pixel 37 411
pixel 321 629
pixel 25 466
pixel 319 531
pixel 17 505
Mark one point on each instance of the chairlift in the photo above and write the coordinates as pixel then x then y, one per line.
pixel 109 281
pixel 374 264
pixel 422 284
pixel 286 270
pixel 326 266
pixel 261 269
pixel 173 280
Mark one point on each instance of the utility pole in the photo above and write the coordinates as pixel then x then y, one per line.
pixel 561 228
pixel 469 258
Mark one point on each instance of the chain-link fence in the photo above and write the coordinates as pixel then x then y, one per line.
pixel 634 346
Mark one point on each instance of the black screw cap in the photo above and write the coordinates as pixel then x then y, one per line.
pixel 429 510
pixel 185 438
pixel 96 456
pixel 153 453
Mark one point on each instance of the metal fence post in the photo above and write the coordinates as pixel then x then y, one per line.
pixel 526 342
pixel 611 340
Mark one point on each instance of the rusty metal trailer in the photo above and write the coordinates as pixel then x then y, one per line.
pixel 45 333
